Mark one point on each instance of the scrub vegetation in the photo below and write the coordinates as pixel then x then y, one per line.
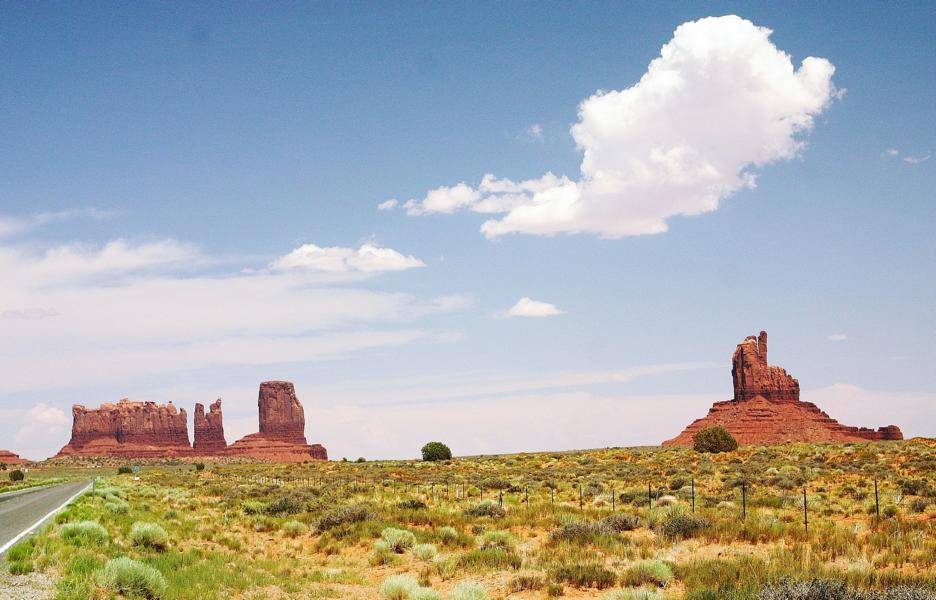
pixel 639 523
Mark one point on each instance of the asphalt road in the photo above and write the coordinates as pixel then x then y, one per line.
pixel 21 510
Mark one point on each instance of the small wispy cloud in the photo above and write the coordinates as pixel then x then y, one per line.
pixel 528 307
pixel 10 225
pixel 907 158
pixel 534 133
pixel 388 204
pixel 837 337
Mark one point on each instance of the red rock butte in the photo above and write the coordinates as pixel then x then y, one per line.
pixel 282 428
pixel 8 458
pixel 142 429
pixel 209 429
pixel 766 408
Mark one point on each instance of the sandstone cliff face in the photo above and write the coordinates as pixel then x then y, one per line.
pixel 209 430
pixel 282 428
pixel 144 429
pixel 766 408
pixel 8 458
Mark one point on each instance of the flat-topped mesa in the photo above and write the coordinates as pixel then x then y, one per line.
pixel 209 429
pixel 130 429
pixel 8 458
pixel 766 408
pixel 752 376
pixel 282 428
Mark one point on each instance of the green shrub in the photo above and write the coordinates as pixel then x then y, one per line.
pixel 132 579
pixel 253 507
pixel 620 522
pixel 524 582
pixel 411 504
pixel 580 532
pixel 199 466
pixel 677 523
pixel 398 587
pixel 124 470
pixel 434 451
pixel 485 509
pixel 398 540
pixel 17 475
pixel 118 507
pixel 498 539
pixel 584 575
pixel 284 506
pixel 647 572
pixel 425 551
pixel 468 590
pixel 343 515
pixel 714 440
pixel 149 535
pixel 83 533
pixel 448 535
pixel 294 529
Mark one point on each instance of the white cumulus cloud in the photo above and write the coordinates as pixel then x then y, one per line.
pixel 528 307
pixel 366 259
pixel 837 337
pixel 719 102
pixel 388 204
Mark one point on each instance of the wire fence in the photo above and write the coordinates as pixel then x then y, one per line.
pixel 603 496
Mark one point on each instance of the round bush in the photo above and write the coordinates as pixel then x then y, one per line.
pixel 644 572
pixel 294 528
pixel 436 451
pixel 132 579
pixel 398 587
pixel 714 440
pixel 398 540
pixel 468 590
pixel 17 475
pixel 425 551
pixel 149 535
pixel 83 532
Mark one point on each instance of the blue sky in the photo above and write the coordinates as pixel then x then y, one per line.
pixel 157 162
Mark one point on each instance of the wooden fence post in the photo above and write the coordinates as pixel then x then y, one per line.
pixel 877 501
pixel 805 511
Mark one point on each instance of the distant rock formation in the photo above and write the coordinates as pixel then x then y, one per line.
pixel 8 458
pixel 209 430
pixel 766 408
pixel 282 428
pixel 143 429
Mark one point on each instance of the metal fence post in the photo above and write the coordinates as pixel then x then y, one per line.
pixel 877 501
pixel 743 501
pixel 805 511
pixel 693 493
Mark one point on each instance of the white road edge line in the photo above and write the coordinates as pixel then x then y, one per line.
pixel 9 544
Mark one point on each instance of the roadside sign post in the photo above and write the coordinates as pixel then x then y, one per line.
pixel 136 472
